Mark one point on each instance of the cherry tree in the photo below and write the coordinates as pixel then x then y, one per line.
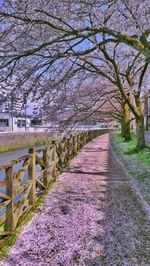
pixel 35 40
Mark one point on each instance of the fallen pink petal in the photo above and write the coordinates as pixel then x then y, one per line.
pixel 90 217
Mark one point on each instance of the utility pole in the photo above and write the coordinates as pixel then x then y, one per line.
pixel 12 122
pixel 25 107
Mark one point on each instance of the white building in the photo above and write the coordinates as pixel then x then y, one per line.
pixel 6 122
pixel 18 123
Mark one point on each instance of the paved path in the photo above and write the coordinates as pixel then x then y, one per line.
pixel 91 217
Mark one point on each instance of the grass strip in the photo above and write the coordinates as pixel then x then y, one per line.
pixel 136 163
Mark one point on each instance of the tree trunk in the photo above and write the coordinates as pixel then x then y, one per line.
pixel 140 132
pixel 126 119
pixel 127 133
pixel 122 127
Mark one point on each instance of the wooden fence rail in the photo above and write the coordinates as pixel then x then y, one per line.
pixel 25 179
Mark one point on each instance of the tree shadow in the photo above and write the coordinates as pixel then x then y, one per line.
pixel 105 174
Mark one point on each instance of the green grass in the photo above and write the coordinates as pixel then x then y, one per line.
pixel 13 147
pixel 136 163
pixel 43 142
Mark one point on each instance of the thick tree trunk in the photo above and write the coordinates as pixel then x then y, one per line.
pixel 127 133
pixel 125 130
pixel 126 122
pixel 122 127
pixel 140 132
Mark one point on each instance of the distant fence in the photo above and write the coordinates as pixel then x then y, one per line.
pixel 23 180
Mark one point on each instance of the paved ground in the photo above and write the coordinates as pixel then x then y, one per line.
pixel 91 217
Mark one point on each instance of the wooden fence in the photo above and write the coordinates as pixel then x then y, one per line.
pixel 24 180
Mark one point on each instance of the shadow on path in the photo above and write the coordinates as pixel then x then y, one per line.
pixel 90 218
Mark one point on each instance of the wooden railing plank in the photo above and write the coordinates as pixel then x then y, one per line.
pixel 39 183
pixel 4 204
pixel 54 159
pixel 39 161
pixel 10 206
pixel 11 163
pixel 2 218
pixel 32 171
pixel 21 189
pixel 20 174
pixel 4 196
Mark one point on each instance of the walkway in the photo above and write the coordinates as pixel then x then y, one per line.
pixel 91 217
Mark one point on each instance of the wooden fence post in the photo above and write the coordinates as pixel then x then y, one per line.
pixel 82 141
pixel 79 141
pixel 65 150
pixel 75 144
pixel 10 206
pixel 58 152
pixel 32 176
pixel 45 160
pixel 71 146
pixel 90 135
pixel 54 155
pixel 87 137
pixel 84 138
pixel 68 148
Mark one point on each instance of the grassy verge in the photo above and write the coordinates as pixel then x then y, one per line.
pixel 136 163
pixel 13 147
pixel 43 142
